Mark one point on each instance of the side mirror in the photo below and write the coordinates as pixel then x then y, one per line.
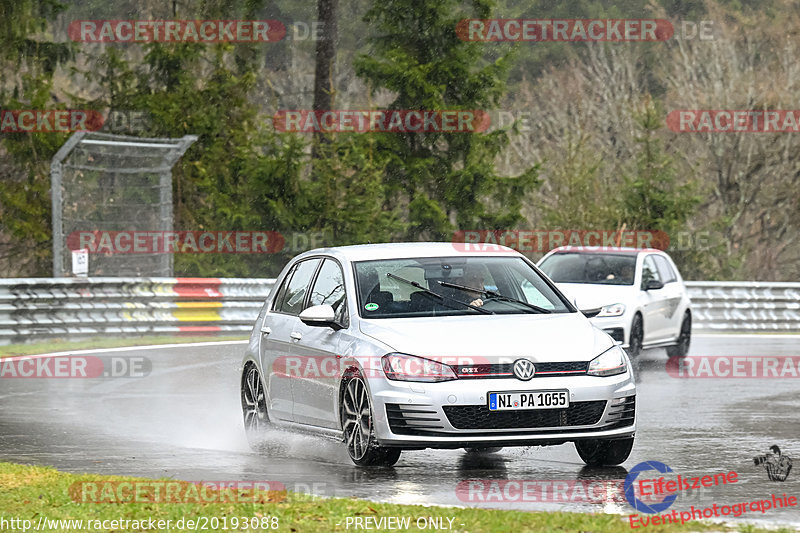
pixel 320 316
pixel 653 285
pixel 591 313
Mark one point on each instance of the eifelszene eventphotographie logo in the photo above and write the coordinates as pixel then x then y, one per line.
pixel 630 484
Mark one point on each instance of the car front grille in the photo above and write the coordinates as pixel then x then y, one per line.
pixel 506 370
pixel 424 419
pixel 479 416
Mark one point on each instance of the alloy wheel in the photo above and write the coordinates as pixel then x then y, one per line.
pixel 254 405
pixel 357 418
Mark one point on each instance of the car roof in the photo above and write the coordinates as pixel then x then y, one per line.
pixel 604 249
pixel 404 250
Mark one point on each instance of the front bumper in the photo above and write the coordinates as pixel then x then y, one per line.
pixel 616 326
pixel 455 414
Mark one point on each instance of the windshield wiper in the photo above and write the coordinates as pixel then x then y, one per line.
pixel 437 296
pixel 496 296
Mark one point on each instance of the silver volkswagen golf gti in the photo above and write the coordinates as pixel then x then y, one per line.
pixel 392 347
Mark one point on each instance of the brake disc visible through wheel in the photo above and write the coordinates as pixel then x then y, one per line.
pixel 357 425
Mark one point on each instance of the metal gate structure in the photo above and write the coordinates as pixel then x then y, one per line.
pixel 113 183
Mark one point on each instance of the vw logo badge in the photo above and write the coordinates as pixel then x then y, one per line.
pixel 524 369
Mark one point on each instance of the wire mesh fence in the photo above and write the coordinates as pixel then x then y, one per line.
pixel 103 184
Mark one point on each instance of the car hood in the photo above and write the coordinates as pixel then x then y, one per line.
pixel 591 296
pixel 550 337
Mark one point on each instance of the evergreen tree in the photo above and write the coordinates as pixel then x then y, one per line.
pixel 445 180
pixel 28 60
pixel 653 198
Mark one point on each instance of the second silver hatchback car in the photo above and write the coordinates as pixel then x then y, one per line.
pixel 424 345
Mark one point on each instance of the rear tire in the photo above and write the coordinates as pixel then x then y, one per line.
pixel 357 425
pixel 681 349
pixel 604 452
pixel 636 336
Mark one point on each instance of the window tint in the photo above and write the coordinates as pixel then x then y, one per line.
pixel 329 287
pixel 593 268
pixel 292 301
pixel 649 271
pixel 664 269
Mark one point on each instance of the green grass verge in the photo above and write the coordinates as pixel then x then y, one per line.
pixel 58 345
pixel 31 493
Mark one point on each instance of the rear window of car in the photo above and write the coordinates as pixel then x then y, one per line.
pixel 595 268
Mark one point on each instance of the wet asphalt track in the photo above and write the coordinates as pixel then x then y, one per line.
pixel 183 421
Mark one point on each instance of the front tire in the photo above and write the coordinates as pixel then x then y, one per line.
pixel 681 349
pixel 357 425
pixel 604 452
pixel 636 337
pixel 254 407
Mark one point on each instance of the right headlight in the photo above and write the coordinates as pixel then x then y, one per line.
pixel 609 363
pixel 612 310
pixel 404 367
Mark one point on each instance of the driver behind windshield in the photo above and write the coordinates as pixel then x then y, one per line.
pixel 624 276
pixel 472 277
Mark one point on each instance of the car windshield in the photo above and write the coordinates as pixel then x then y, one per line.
pixel 422 287
pixel 596 268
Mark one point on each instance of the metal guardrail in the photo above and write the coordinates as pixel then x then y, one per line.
pixel 35 308
pixel 755 306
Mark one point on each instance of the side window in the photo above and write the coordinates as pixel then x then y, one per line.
pixel 292 299
pixel 649 271
pixel 279 298
pixel 329 286
pixel 665 269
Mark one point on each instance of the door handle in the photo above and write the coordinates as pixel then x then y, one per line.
pixel 266 330
pixel 296 336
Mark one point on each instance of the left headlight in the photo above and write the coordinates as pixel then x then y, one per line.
pixel 609 363
pixel 612 310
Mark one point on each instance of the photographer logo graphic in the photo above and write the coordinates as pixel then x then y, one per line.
pixel 777 465
pixel 630 483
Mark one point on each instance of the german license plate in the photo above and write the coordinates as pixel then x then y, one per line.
pixel 519 400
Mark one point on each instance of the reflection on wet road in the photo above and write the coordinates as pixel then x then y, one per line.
pixel 183 421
